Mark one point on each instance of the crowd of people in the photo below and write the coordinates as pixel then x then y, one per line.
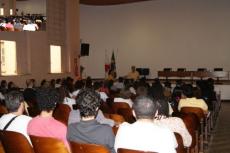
pixel 23 23
pixel 154 108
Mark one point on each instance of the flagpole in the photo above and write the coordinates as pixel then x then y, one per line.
pixel 105 61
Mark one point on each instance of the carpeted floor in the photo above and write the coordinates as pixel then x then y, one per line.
pixel 220 142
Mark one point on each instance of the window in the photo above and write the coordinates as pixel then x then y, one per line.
pixel 55 59
pixel 8 57
pixel 11 11
pixel 1 11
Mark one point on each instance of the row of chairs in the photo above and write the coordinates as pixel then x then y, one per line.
pixel 13 142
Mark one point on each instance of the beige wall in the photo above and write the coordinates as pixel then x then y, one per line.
pixel 157 34
pixel 33 47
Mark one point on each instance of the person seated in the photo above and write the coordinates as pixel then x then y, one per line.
pixel 44 125
pixel 65 97
pixel 189 100
pixel 111 75
pixel 124 96
pixel 175 124
pixel 119 85
pixel 134 74
pixel 88 130
pixel 145 134
pixel 103 95
pixel 29 95
pixel 79 84
pixel 15 105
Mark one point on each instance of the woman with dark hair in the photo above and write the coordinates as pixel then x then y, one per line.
pixel 157 92
pixel 173 123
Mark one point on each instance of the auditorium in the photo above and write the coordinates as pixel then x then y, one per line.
pixel 120 76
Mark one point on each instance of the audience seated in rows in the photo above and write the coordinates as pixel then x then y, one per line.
pixel 145 134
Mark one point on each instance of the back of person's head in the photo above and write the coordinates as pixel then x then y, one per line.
pixel 120 79
pixel 44 83
pixel 145 107
pixel 47 98
pixel 88 101
pixel 79 85
pixel 3 83
pixel 187 90
pixel 142 91
pixel 197 92
pixel 13 100
pixel 125 93
pixel 88 82
pixel 163 107
pixel 97 85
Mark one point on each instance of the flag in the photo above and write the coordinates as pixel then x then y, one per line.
pixel 107 64
pixel 113 63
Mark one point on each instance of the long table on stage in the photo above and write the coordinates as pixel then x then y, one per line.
pixel 192 74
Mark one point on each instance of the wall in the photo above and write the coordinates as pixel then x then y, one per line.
pixel 157 34
pixel 33 47
pixel 31 7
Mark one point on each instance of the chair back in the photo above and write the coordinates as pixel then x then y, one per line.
pixel 87 148
pixel 123 150
pixel 47 145
pixel 117 118
pixel 61 113
pixel 1 148
pixel 191 122
pixel 119 105
pixel 127 114
pixel 180 148
pixel 14 142
pixel 106 108
pixel 198 111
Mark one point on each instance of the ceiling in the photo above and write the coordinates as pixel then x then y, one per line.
pixel 109 2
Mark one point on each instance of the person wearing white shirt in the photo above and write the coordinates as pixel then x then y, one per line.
pixel 144 134
pixel 124 97
pixel 15 105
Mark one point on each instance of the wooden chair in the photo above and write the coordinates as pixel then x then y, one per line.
pixel 61 113
pixel 14 142
pixel 127 114
pixel 180 148
pixel 48 145
pixel 202 119
pixel 1 148
pixel 117 118
pixel 105 108
pixel 191 122
pixel 119 105
pixel 123 150
pixel 87 148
